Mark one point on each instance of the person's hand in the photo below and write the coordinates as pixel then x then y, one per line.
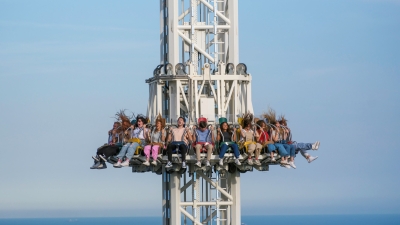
pixel 194 127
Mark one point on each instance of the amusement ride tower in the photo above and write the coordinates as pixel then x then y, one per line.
pixel 200 75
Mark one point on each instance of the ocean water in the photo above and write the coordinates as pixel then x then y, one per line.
pixel 246 220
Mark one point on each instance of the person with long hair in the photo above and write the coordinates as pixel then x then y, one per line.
pixel 264 138
pixel 137 138
pixel 227 138
pixel 299 147
pixel 178 138
pixel 109 149
pixel 156 141
pixel 247 135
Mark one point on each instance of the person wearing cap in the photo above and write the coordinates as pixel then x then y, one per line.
pixel 179 138
pixel 204 139
pixel 227 139
pixel 137 138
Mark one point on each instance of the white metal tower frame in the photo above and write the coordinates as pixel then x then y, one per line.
pixel 205 46
pixel 202 37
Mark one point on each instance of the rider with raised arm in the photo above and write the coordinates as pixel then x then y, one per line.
pixel 137 134
pixel 180 138
pixel 204 138
pixel 227 139
pixel 156 139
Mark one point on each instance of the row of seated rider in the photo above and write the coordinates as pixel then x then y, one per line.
pixel 277 138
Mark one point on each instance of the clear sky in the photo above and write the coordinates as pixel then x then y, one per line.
pixel 66 67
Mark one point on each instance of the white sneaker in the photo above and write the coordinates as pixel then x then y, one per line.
pixel 237 162
pixel 221 162
pixel 284 162
pixel 125 163
pixel 292 165
pixel 315 146
pixel 311 158
pixel 146 163
pixel 169 165
pixel 273 159
pixel 208 163
pixel 286 166
pixel 154 163
pixel 184 165
pixel 118 164
pixel 257 162
pixel 250 162
pixel 198 164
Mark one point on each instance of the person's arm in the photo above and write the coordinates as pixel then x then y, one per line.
pixel 274 135
pixel 188 134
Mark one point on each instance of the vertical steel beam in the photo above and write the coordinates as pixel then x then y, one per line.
pixel 175 190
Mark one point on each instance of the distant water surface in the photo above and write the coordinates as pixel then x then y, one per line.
pixel 246 220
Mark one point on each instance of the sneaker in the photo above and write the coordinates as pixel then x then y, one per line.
pixel 284 162
pixel 237 162
pixel 95 158
pixel 257 162
pixel 221 162
pixel 292 165
pixel 125 163
pixel 154 163
pixel 146 163
pixel 97 164
pixel 315 146
pixel 286 166
pixel 198 164
pixel 208 163
pixel 102 166
pixel 273 159
pixel 250 162
pixel 169 165
pixel 312 158
pixel 184 165
pixel 103 157
pixel 118 164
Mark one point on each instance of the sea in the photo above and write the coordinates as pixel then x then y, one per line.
pixel 246 220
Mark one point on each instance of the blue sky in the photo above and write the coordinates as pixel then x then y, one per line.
pixel 66 67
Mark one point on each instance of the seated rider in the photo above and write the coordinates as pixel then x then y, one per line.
pixel 137 138
pixel 156 141
pixel 204 138
pixel 264 139
pixel 227 139
pixel 247 136
pixel 277 136
pixel 300 147
pixel 109 149
pixel 180 138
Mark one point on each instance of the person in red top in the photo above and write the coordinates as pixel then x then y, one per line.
pixel 264 139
